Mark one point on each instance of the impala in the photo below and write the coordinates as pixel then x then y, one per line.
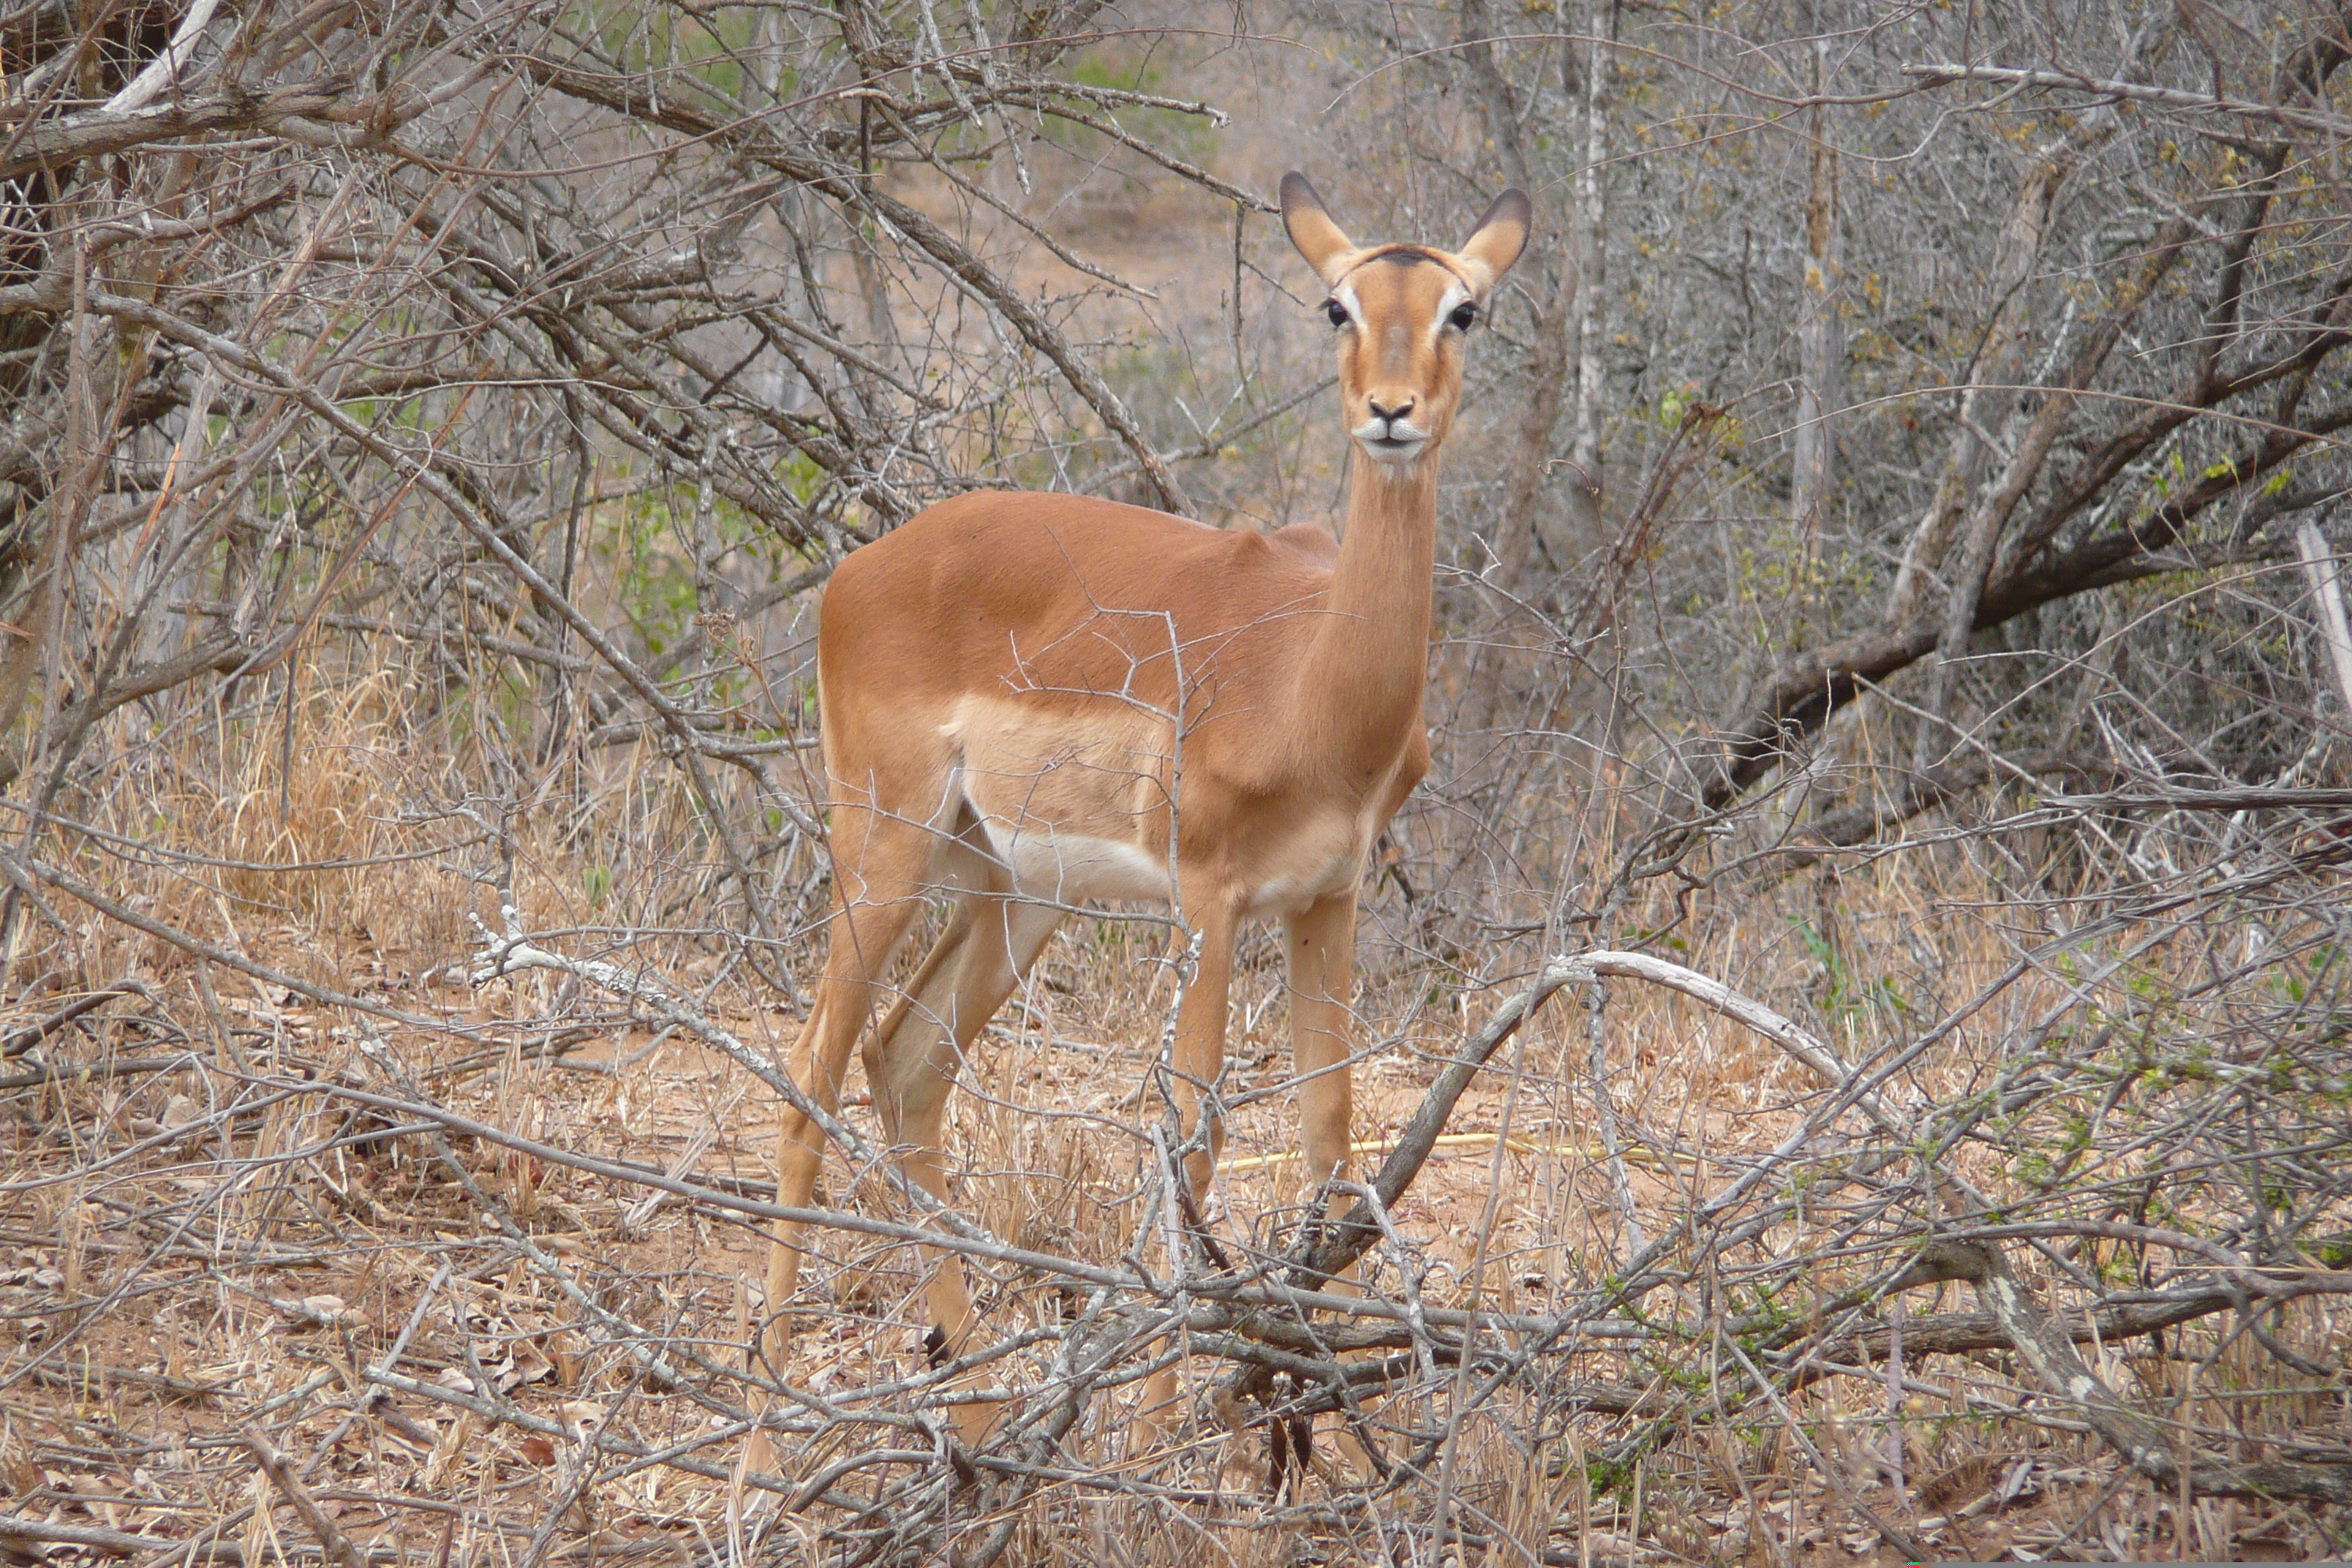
pixel 1030 701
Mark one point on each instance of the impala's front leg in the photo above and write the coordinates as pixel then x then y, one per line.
pixel 1200 1048
pixel 1200 1054
pixel 1322 972
pixel 1197 1060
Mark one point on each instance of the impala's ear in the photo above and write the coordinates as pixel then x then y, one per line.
pixel 1311 229
pixel 1499 238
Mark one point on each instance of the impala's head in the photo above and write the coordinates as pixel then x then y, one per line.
pixel 1401 314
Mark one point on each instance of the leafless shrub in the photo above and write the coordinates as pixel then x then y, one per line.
pixel 1855 1024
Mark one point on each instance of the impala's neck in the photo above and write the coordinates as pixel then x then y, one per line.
pixel 1371 654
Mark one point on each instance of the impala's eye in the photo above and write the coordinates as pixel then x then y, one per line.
pixel 1465 317
pixel 1336 312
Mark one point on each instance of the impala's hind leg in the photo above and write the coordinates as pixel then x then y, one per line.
pixel 882 866
pixel 912 1069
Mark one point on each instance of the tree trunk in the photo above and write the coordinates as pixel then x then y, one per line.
pixel 1990 395
pixel 1592 247
pixel 1547 372
pixel 1821 338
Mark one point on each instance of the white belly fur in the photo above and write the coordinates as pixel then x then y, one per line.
pixel 1036 789
pixel 1060 867
pixel 1052 866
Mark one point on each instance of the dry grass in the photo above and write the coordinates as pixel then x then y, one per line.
pixel 276 1166
pixel 195 1252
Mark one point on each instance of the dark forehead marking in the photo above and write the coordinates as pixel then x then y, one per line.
pixel 1407 256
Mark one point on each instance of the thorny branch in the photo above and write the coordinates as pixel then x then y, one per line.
pixel 1885 646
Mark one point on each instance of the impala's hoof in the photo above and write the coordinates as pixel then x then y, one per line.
pixel 1290 1444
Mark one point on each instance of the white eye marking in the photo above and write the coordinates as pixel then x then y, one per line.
pixel 1346 295
pixel 1455 299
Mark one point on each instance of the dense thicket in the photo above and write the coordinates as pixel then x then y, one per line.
pixel 1889 565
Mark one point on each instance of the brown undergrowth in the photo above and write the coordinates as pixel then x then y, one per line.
pixel 248 1192
pixel 1854 1029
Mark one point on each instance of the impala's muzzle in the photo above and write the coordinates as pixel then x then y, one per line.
pixel 1390 435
